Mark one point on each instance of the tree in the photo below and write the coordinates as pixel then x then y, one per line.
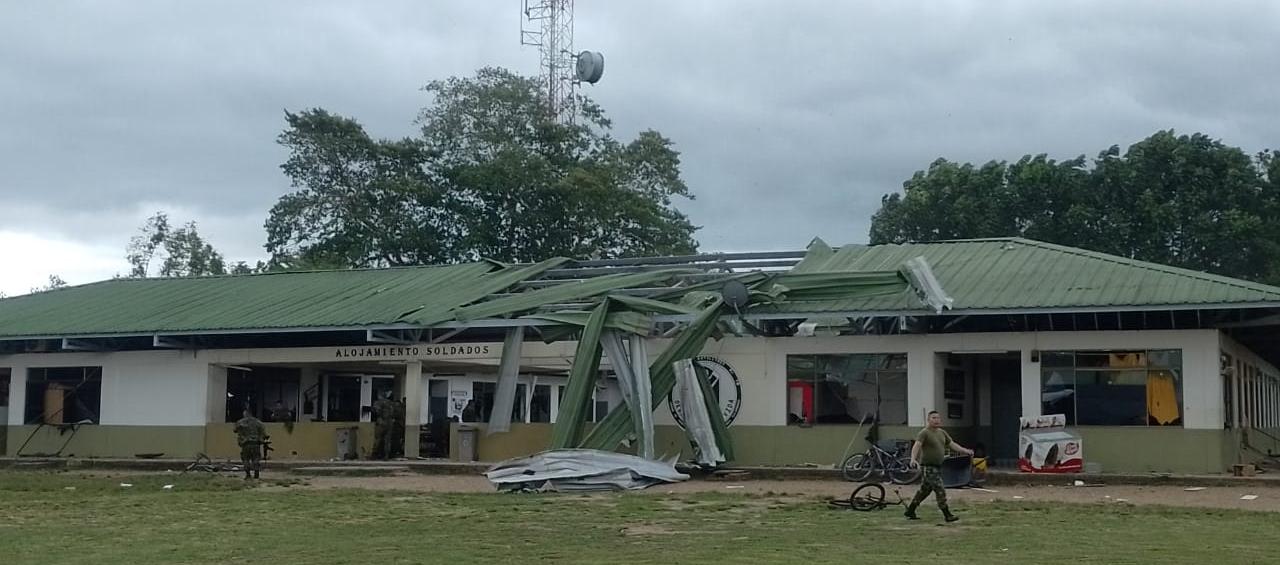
pixel 1187 201
pixel 55 282
pixel 185 253
pixel 491 175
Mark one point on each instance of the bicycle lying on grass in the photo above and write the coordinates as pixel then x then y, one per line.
pixel 868 497
pixel 203 464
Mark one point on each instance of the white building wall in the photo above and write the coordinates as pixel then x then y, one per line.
pixel 139 388
pixel 174 387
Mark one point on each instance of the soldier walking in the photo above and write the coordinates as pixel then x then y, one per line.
pixel 929 450
pixel 251 435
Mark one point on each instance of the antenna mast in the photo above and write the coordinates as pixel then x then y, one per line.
pixel 548 25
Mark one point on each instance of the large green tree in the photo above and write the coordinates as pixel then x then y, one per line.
pixel 490 175
pixel 1183 200
pixel 182 251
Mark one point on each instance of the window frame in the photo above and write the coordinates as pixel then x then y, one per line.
pixel 813 385
pixel 37 385
pixel 1115 365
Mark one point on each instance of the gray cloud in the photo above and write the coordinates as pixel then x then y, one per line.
pixel 793 119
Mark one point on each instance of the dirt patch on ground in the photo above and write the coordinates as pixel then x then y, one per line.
pixel 1268 498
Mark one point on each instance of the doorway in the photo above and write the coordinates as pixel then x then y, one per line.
pixel 4 409
pixel 435 435
pixel 1006 408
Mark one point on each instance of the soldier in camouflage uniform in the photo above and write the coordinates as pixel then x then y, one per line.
pixel 397 428
pixel 383 422
pixel 251 435
pixel 929 450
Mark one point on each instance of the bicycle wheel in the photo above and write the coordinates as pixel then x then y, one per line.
pixel 867 497
pixel 857 467
pixel 902 473
pixel 202 463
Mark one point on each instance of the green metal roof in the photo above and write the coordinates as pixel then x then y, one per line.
pixel 1020 274
pixel 315 299
pixel 980 275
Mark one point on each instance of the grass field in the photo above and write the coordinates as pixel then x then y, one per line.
pixel 64 518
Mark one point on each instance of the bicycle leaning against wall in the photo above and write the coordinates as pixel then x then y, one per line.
pixel 894 466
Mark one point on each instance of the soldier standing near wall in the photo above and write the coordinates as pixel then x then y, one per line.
pixel 383 421
pixel 397 428
pixel 251 435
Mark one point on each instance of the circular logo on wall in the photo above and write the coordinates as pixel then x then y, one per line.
pixel 724 383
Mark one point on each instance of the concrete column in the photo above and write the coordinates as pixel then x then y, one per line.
pixel 983 378
pixel 412 407
pixel 217 403
pixel 1236 405
pixel 1031 405
pixel 924 373
pixel 1202 385
pixel 17 396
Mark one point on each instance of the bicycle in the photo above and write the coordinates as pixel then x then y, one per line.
pixel 868 497
pixel 203 464
pixel 895 466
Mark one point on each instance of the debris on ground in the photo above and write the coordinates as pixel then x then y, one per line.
pixel 1249 497
pixel 1193 489
pixel 579 470
pixel 729 474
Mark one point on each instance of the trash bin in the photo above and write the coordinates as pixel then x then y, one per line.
pixel 467 437
pixel 348 440
pixel 957 471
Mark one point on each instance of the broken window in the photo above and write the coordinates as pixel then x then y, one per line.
pixel 845 389
pixel 342 398
pixel 1113 388
pixel 484 395
pixel 63 395
pixel 540 404
pixel 270 393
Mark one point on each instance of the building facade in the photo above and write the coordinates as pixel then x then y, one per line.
pixel 1172 373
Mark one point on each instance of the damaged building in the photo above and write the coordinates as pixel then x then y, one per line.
pixel 1157 368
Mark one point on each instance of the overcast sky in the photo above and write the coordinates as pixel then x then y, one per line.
pixel 793 118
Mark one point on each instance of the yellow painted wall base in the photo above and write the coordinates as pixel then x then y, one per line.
pixel 1117 449
pixel 107 441
pixel 308 441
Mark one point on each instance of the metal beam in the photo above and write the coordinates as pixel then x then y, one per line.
pixel 72 344
pixel 396 337
pixel 1271 320
pixel 446 335
pixel 680 259
pixel 169 342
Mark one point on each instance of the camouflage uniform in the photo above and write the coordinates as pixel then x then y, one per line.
pixel 931 482
pixel 932 444
pixel 397 427
pixel 250 435
pixel 383 421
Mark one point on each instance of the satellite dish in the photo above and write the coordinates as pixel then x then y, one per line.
pixel 735 294
pixel 590 66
